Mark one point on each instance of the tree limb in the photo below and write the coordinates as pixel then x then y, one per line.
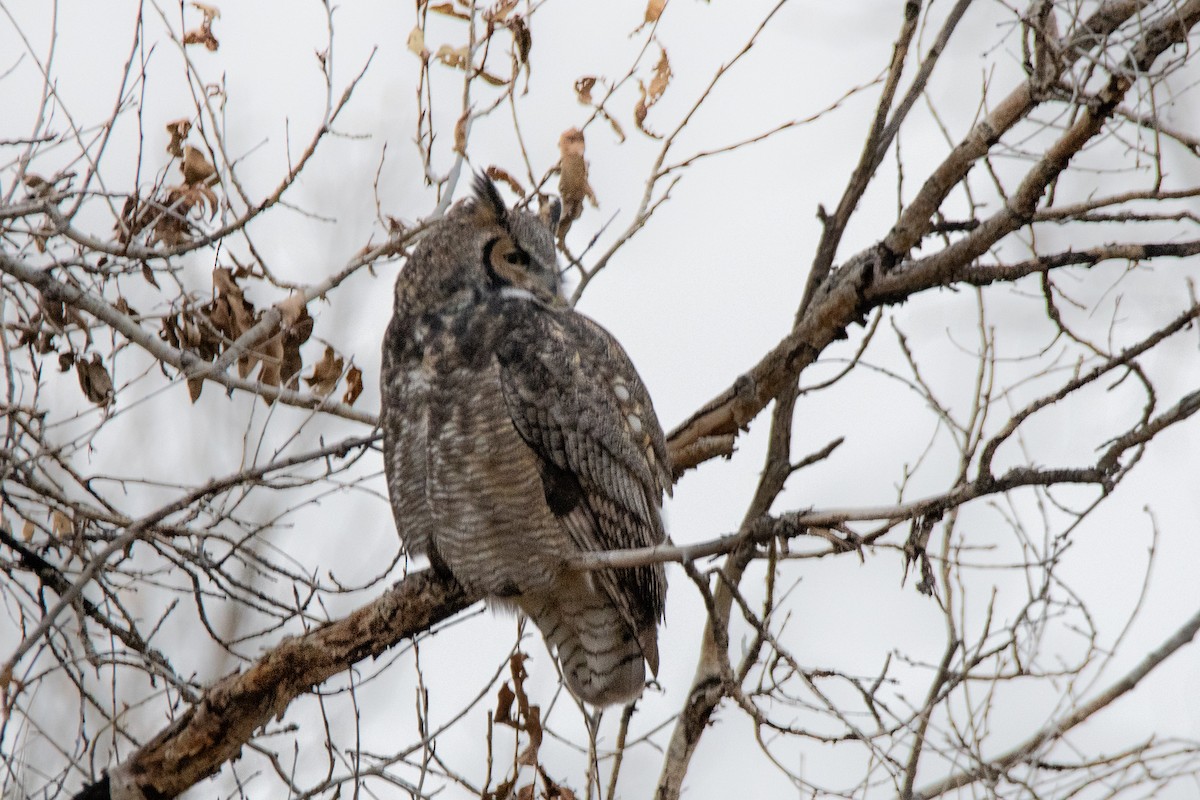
pixel 214 730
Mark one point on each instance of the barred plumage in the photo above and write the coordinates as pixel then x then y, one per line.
pixel 516 432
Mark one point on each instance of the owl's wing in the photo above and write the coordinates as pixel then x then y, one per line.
pixel 576 399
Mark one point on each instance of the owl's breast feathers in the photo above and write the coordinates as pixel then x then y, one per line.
pixel 578 405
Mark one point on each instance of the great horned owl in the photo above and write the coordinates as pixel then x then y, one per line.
pixel 517 432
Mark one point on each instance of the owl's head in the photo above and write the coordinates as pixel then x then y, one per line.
pixel 483 246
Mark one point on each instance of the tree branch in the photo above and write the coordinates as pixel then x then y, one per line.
pixel 1055 730
pixel 213 731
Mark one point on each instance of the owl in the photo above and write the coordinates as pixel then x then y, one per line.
pixel 517 433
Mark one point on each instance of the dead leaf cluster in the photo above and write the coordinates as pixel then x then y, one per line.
pixel 514 711
pixel 169 215
pixel 52 318
pixel 498 16
pixel 211 329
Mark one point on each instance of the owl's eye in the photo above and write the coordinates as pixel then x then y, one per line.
pixel 506 263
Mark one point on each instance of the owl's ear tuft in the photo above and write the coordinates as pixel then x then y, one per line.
pixel 490 206
pixel 550 211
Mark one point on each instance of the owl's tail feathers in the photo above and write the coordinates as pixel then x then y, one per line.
pixel 602 661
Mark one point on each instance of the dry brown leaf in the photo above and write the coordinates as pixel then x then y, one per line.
pixel 295 334
pixel 195 167
pixel 123 306
pixel 326 373
pixel 639 113
pixel 40 235
pixel 297 329
pixel 204 35
pixel 654 10
pixel 503 790
pixel 498 174
pixel 651 95
pixel 53 310
pixel 354 386
pixel 291 309
pixel 504 702
pixel 449 10
pixel 94 380
pixel 452 57
pixel 271 354
pixel 583 89
pixel 416 43
pixel 195 386
pixel 500 11
pixel 553 790
pixel 178 129
pixel 573 184
pixel 662 77
pixel 148 274
pixel 533 727
pixel 522 38
pixel 230 312
pixel 61 524
pixel 494 80
pixel 210 12
pixel 27 531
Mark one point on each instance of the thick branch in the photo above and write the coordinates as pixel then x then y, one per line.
pixel 212 732
pixel 917 218
pixel 874 277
